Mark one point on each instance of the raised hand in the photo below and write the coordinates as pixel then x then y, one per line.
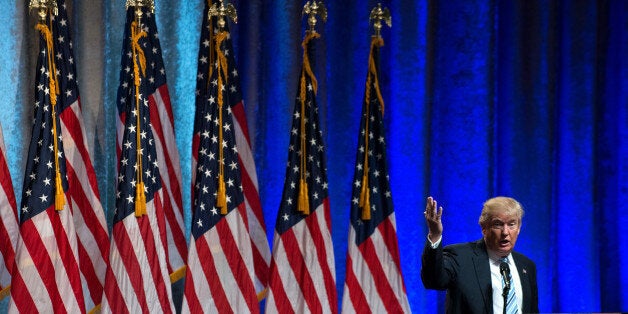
pixel 433 219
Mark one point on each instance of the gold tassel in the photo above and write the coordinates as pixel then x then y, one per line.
pixel 365 199
pixel 304 199
pixel 221 193
pixel 303 203
pixel 221 196
pixel 136 34
pixel 59 197
pixel 375 42
pixel 140 200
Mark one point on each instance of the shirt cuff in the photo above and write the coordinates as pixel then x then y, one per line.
pixel 434 244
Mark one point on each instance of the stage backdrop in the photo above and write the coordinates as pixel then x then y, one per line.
pixel 521 98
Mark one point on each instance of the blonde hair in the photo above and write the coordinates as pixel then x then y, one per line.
pixel 500 204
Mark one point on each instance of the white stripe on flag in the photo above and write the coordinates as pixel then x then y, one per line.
pixel 201 287
pixel 9 229
pixel 288 282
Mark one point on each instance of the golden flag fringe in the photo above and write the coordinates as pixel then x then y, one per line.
pixel 221 61
pixel 365 199
pixel 46 32
pixel 303 203
pixel 138 54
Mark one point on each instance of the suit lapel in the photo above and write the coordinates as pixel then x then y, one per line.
pixel 483 274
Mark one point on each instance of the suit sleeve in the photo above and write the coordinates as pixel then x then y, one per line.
pixel 433 272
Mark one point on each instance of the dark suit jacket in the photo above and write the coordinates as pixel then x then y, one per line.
pixel 463 270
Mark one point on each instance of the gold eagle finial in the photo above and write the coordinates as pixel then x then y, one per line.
pixel 379 14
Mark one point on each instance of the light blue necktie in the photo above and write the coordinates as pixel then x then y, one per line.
pixel 511 300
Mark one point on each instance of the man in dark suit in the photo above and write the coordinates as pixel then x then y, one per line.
pixel 477 274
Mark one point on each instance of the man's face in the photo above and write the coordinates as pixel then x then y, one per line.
pixel 501 232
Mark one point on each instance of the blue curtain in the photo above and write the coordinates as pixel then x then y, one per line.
pixel 482 98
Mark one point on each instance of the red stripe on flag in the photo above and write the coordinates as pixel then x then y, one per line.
pixel 77 191
pixel 190 296
pixel 69 260
pixel 25 302
pixel 240 117
pixel 87 269
pixel 171 160
pixel 256 225
pixel 276 286
pixel 235 259
pixel 209 269
pixel 384 290
pixel 165 96
pixel 153 259
pixel 358 298
pixel 125 249
pixel 300 268
pixel 41 261
pixel 8 216
pixel 312 222
pixel 389 233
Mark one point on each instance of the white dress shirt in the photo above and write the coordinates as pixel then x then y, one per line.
pixel 496 281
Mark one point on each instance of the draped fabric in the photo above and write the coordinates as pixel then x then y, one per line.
pixel 521 98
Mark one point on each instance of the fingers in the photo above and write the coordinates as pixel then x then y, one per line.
pixel 432 211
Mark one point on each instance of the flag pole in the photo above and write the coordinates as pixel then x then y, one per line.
pixel 44 9
pixel 138 55
pixel 311 9
pixel 221 12
pixel 377 16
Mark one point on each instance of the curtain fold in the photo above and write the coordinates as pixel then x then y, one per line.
pixel 523 98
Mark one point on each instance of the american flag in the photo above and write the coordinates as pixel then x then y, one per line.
pixel 138 277
pixel 302 270
pixel 8 222
pixel 66 234
pixel 162 125
pixel 228 253
pixel 373 282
